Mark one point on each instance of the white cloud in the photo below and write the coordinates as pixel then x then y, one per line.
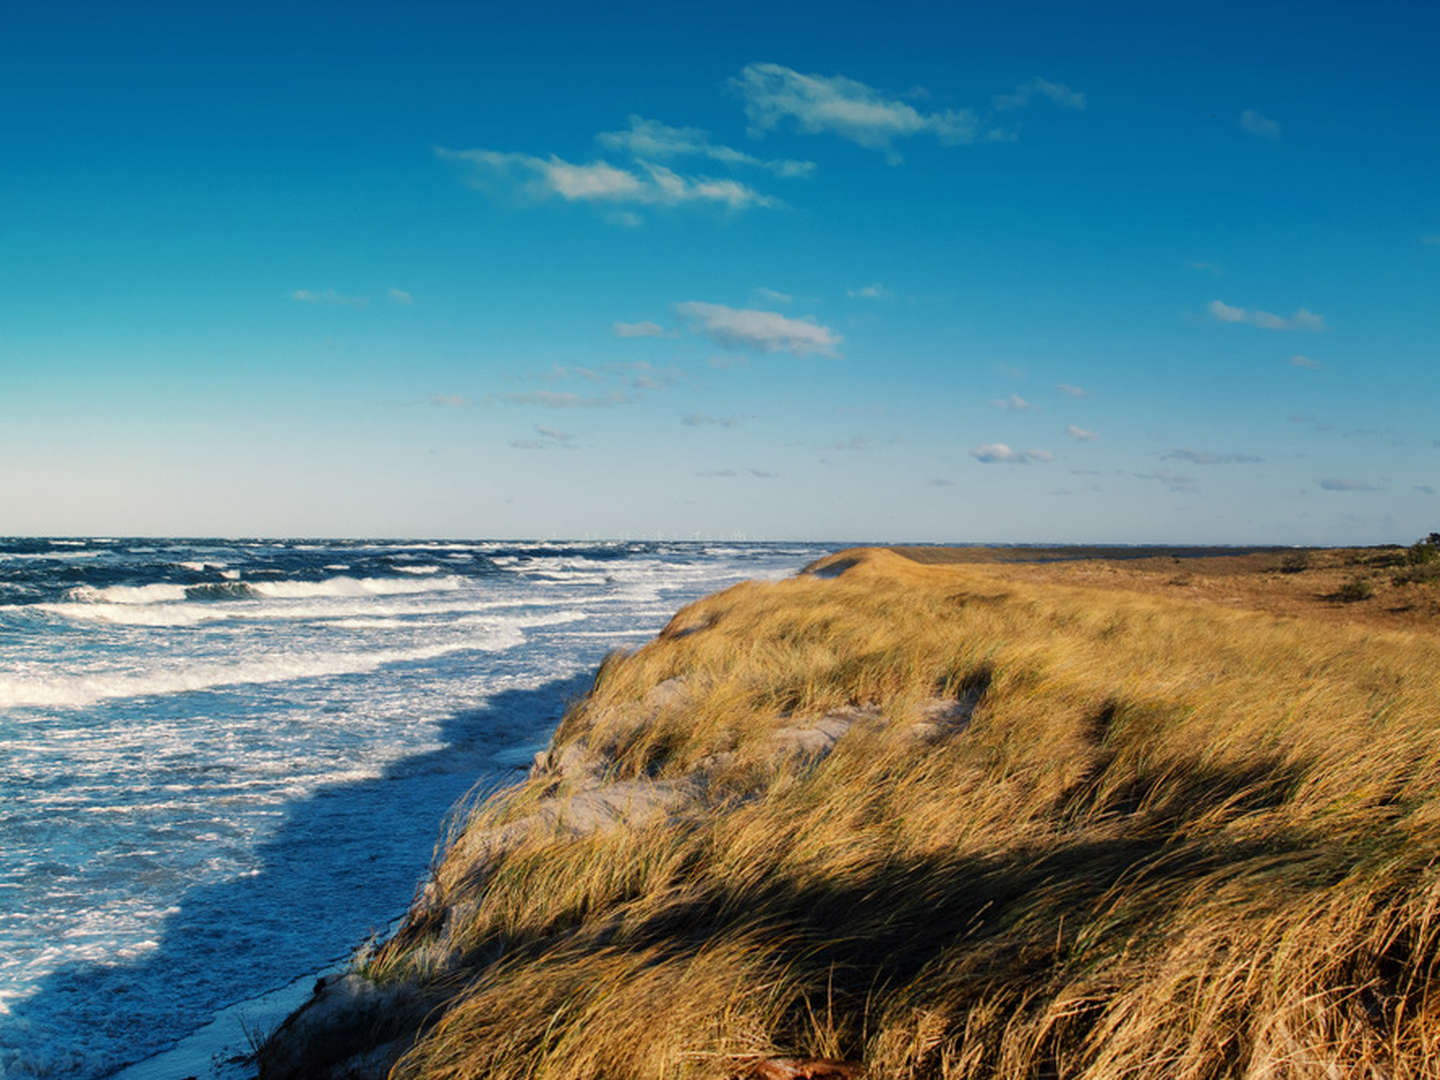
pixel 400 296
pixel 329 297
pixel 626 219
pixel 1266 320
pixel 1014 402
pixel 649 140
pixel 638 329
pixel 764 331
pixel 1305 362
pixel 999 453
pixel 1256 124
pixel 1205 457
pixel 845 107
pixel 873 291
pixel 1072 391
pixel 1080 434
pixel 600 182
pixel 705 420
pixel 1027 92
pixel 449 401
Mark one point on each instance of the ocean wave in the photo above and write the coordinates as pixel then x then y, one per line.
pixel 191 614
pixel 78 690
pixel 164 592
pixel 418 569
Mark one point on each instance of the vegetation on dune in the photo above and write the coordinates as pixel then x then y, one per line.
pixel 942 821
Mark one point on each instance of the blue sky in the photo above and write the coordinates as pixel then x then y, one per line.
pixel 1013 272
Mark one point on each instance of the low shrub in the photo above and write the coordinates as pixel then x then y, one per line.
pixel 1295 563
pixel 1354 591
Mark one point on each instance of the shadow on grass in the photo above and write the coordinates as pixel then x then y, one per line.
pixel 1018 921
pixel 342 866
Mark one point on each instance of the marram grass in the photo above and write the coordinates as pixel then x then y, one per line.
pixel 1175 840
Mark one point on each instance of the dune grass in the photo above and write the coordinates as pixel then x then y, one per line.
pixel 1173 840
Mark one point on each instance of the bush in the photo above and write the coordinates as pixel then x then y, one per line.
pixel 1295 563
pixel 1423 552
pixel 1353 591
pixel 1427 573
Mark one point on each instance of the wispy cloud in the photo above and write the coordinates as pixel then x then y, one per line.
pixel 1205 457
pixel 1072 391
pixel 1013 402
pixel 764 331
pixel 1305 362
pixel 775 296
pixel 550 439
pixel 1080 434
pixel 1431 240
pixel 757 474
pixel 1425 489
pixel 1170 481
pixel 328 297
pixel 940 481
pixel 647 184
pixel 1266 320
pixel 873 291
pixel 1335 483
pixel 567 372
pixel 557 400
pixel 1256 124
pixel 1000 454
pixel 637 329
pixel 650 140
pixel 449 401
pixel 706 420
pixel 1204 267
pixel 1037 87
pixel 836 105
pixel 400 296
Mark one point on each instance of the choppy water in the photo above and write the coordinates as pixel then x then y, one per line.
pixel 224 763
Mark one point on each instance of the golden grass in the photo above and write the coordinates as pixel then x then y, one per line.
pixel 1175 840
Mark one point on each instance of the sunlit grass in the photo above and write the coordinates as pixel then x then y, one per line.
pixel 1174 840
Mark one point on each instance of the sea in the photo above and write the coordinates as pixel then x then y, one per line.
pixel 225 764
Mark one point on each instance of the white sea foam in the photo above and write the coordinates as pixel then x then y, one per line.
pixel 418 569
pixel 127 594
pixel 60 691
pixel 280 590
pixel 50 555
pixel 348 586
pixel 340 608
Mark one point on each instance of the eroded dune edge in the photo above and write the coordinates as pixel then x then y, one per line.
pixel 898 819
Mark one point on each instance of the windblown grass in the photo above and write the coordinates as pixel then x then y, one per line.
pixel 1175 840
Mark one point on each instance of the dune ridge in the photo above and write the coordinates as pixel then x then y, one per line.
pixel 898 818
